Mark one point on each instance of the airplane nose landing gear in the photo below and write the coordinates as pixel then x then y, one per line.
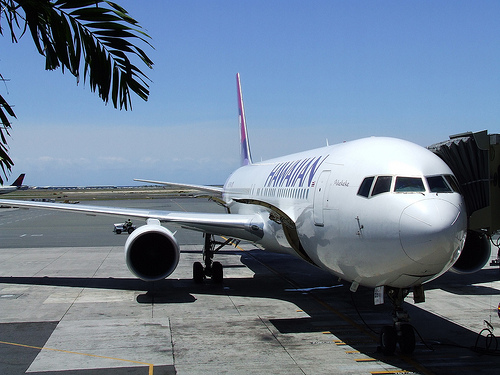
pixel 401 332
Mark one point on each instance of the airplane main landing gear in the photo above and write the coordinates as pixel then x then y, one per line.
pixel 210 268
pixel 401 332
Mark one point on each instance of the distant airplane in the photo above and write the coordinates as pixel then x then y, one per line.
pixel 379 212
pixel 15 185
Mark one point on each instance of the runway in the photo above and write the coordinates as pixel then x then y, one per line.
pixel 69 305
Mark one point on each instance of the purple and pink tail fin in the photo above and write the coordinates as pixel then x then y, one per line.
pixel 245 156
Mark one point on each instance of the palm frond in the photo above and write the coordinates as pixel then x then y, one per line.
pixel 6 162
pixel 93 39
pixel 94 34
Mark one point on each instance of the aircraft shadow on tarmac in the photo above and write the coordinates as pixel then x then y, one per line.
pixel 333 309
pixel 466 284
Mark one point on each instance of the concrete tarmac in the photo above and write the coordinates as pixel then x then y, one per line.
pixel 69 305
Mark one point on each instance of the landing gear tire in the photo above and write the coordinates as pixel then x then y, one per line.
pixel 388 340
pixel 198 272
pixel 407 339
pixel 209 268
pixel 217 273
pixel 402 332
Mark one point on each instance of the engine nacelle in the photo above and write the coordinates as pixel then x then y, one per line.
pixel 475 254
pixel 152 252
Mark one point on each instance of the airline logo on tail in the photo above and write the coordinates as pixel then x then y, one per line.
pixel 245 156
pixel 19 181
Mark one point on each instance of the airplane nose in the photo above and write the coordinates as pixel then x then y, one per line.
pixel 432 231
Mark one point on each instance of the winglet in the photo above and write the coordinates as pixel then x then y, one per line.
pixel 245 156
pixel 19 181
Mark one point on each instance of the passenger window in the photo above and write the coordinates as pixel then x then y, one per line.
pixel 382 185
pixel 437 184
pixel 364 189
pixel 409 185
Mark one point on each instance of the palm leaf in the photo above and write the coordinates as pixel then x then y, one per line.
pixel 93 39
pixel 5 161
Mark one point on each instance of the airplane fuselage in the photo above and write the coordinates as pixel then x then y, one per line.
pixel 7 189
pixel 376 211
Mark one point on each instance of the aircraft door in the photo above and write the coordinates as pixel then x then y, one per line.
pixel 319 197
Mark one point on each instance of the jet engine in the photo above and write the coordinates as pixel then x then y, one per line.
pixel 475 253
pixel 152 252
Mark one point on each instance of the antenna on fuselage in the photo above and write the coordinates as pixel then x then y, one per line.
pixel 245 155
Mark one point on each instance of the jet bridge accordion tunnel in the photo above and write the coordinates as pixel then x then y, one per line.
pixel 474 158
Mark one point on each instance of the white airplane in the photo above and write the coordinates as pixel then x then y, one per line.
pixel 15 185
pixel 379 212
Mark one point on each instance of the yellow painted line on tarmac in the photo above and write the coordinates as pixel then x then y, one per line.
pixel 236 246
pixel 85 354
pixel 393 372
pixel 177 203
pixel 365 360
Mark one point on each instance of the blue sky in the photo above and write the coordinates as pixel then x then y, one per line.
pixel 310 71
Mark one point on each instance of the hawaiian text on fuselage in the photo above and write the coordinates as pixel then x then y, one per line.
pixel 298 173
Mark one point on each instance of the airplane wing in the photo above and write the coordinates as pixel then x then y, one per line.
pixel 210 189
pixel 245 227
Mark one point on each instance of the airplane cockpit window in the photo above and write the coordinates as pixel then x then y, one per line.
pixel 382 185
pixel 364 189
pixel 404 184
pixel 437 184
pixel 453 183
pixel 409 185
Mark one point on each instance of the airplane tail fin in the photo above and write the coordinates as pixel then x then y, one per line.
pixel 19 181
pixel 245 155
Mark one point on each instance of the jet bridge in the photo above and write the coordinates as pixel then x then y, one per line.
pixel 474 158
